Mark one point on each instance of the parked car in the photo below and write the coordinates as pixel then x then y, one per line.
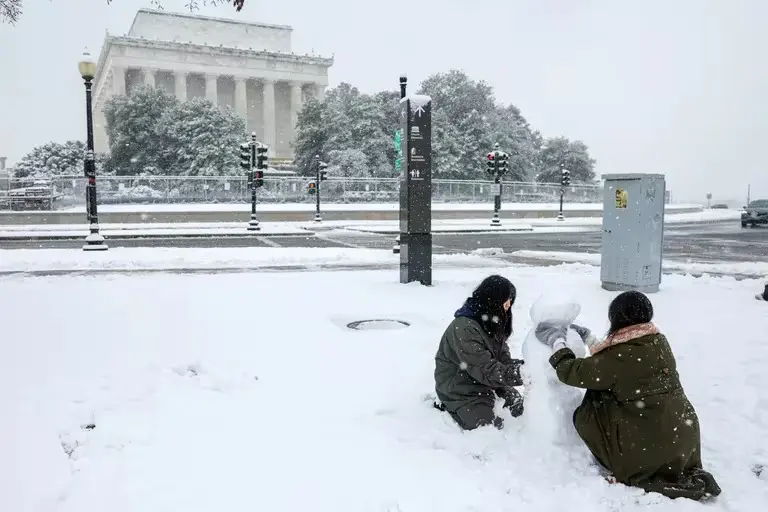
pixel 755 213
pixel 719 206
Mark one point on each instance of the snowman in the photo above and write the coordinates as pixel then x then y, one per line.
pixel 549 404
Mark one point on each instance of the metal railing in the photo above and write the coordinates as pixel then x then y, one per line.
pixel 70 190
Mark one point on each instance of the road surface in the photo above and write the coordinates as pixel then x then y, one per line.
pixel 716 242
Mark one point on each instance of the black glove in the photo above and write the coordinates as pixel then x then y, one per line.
pixel 548 333
pixel 512 374
pixel 513 400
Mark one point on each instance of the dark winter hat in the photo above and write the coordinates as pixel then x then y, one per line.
pixel 494 291
pixel 629 308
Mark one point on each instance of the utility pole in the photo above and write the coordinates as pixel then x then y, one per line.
pixel 565 180
pixel 497 166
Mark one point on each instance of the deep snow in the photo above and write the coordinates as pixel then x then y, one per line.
pixel 247 392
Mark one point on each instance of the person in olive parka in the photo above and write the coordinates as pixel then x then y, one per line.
pixel 473 364
pixel 635 417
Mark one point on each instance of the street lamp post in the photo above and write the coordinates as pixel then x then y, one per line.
pixel 94 241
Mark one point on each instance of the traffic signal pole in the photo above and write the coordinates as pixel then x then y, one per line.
pixel 565 180
pixel 497 167
pixel 253 224
pixel 318 218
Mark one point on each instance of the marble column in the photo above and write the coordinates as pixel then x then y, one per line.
pixel 320 92
pixel 269 116
pixel 295 104
pixel 118 81
pixel 211 88
pixel 149 77
pixel 241 103
pixel 180 85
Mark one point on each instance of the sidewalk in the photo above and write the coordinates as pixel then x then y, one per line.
pixel 65 261
pixel 309 228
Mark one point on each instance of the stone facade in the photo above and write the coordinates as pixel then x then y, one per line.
pixel 247 66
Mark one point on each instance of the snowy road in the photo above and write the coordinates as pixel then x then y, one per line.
pixel 723 241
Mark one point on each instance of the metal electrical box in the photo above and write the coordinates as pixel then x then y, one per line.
pixel 633 232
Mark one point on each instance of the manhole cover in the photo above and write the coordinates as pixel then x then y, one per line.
pixel 381 324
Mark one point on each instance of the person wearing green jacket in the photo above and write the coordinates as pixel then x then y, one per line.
pixel 635 417
pixel 473 364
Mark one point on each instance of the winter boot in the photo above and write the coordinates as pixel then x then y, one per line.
pixel 710 485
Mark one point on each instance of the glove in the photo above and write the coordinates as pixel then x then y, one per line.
pixel 585 334
pixel 548 333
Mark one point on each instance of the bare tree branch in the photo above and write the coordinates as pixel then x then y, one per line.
pixel 10 10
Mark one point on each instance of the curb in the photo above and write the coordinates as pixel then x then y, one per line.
pixel 446 232
pixel 491 263
pixel 68 237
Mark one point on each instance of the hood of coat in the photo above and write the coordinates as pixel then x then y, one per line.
pixel 496 323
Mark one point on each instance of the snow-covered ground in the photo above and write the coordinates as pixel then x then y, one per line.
pixel 328 207
pixel 754 268
pixel 247 392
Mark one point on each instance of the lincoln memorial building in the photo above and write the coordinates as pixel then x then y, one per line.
pixel 248 66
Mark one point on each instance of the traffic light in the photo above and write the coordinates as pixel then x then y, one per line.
pixel 258 179
pixel 261 157
pixel 322 166
pixel 491 164
pixel 311 188
pixel 565 177
pixel 245 157
pixel 503 157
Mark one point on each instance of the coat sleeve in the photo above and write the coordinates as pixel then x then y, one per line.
pixel 506 358
pixel 480 364
pixel 587 373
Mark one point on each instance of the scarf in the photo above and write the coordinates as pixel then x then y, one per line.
pixel 624 335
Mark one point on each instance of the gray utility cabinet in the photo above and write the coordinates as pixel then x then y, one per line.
pixel 633 232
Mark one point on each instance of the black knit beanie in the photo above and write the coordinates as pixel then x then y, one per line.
pixel 629 308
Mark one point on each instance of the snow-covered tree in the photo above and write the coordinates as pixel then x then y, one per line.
pixel 514 135
pixel 152 133
pixel 135 133
pixel 560 153
pixel 348 163
pixel 201 139
pixel 311 138
pixel 463 113
pixel 466 124
pixel 55 159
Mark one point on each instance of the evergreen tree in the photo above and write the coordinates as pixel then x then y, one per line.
pixel 201 139
pixel 135 134
pixel 560 153
pixel 348 163
pixel 311 136
pixel 54 159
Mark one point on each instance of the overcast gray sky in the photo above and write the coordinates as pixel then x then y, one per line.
pixel 672 86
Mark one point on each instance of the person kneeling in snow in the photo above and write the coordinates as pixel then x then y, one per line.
pixel 473 363
pixel 635 417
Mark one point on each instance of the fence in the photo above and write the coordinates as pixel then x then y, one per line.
pixel 70 190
